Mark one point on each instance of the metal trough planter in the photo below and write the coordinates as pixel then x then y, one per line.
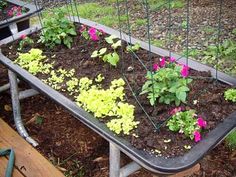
pixel 19 23
pixel 142 158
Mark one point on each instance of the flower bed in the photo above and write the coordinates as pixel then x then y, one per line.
pixel 89 71
pixel 14 11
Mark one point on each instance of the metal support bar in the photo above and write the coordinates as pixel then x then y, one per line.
pixel 6 86
pixel 16 109
pixel 13 28
pixel 114 160
pixel 129 169
pixel 27 93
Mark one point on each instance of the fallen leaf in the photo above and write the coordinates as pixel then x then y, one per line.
pixel 7 108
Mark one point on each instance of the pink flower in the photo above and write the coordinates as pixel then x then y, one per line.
pixel 10 13
pixel 172 59
pixel 201 123
pixel 92 31
pixel 185 71
pixel 155 67
pixel 197 136
pixel 23 36
pixel 94 37
pixel 163 62
pixel 175 110
pixel 93 34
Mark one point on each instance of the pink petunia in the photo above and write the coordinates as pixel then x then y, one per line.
pixel 162 62
pixel 155 67
pixel 10 13
pixel 201 123
pixel 94 37
pixel 23 36
pixel 93 34
pixel 175 110
pixel 172 59
pixel 92 31
pixel 184 71
pixel 197 136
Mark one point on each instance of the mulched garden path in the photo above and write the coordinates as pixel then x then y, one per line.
pixel 78 151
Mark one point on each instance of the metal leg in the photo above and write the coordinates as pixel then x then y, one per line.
pixel 4 87
pixel 114 160
pixel 27 93
pixel 115 170
pixel 16 108
pixel 13 28
pixel 129 169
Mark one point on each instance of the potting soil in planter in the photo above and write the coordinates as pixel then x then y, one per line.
pixel 206 95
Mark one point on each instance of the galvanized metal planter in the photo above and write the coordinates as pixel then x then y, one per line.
pixel 141 158
pixel 18 23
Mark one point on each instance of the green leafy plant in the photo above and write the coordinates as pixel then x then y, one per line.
pixel 25 41
pixel 108 103
pixel 168 84
pixel 34 62
pixel 112 57
pixel 57 78
pixel 230 95
pixel 99 53
pixel 226 50
pixel 111 40
pixel 99 78
pixel 72 84
pixel 57 30
pixel 191 53
pixel 183 122
pixel 39 120
pixel 3 4
pixel 133 48
pixel 186 122
pixel 161 4
pixel 231 140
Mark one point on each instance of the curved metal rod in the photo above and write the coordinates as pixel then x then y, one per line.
pixel 16 109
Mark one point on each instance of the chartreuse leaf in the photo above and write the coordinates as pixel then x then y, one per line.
pixel 110 39
pixel 116 45
pixel 112 58
pixel 34 62
pixel 108 103
pixel 230 95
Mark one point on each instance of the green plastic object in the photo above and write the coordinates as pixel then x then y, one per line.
pixel 10 165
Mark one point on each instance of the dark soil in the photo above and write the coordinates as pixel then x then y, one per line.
pixel 4 12
pixel 64 141
pixel 209 93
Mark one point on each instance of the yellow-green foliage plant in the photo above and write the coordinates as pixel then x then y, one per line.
pixel 108 103
pixel 34 61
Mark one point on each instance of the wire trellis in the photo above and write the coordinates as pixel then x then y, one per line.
pixel 170 29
